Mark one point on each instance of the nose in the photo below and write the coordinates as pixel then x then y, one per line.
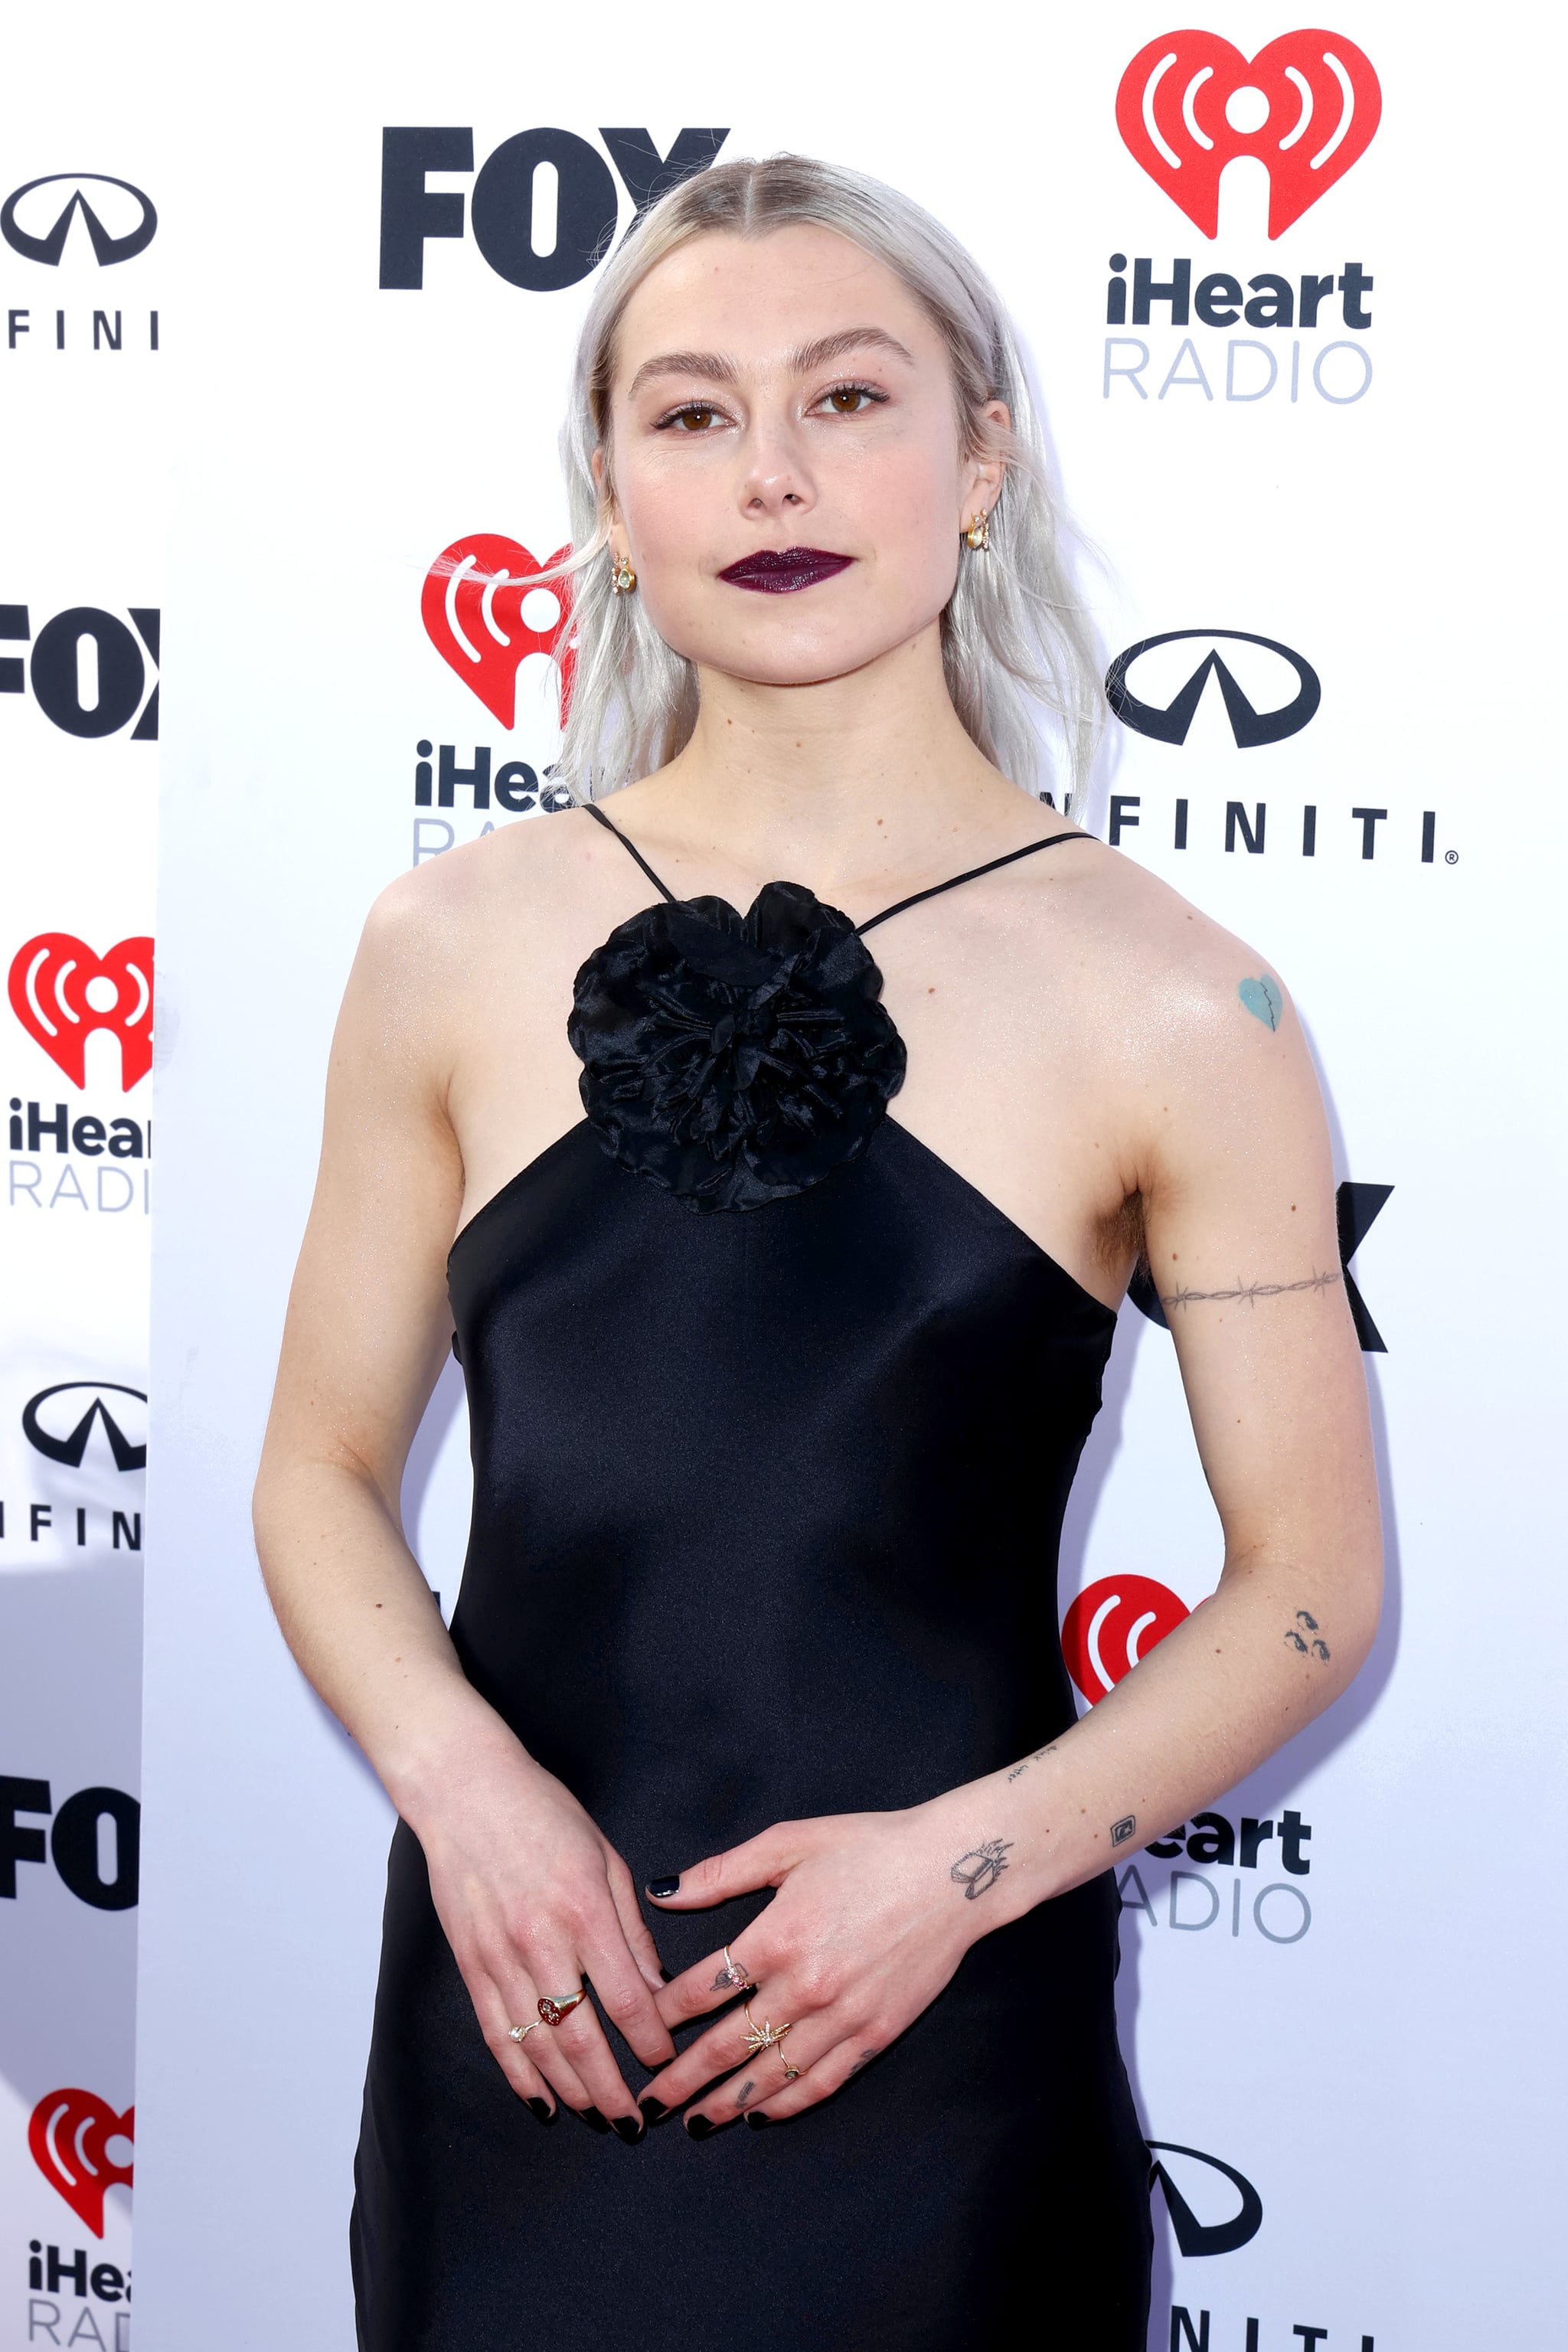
pixel 776 480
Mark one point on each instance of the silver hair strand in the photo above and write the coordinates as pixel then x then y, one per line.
pixel 1016 650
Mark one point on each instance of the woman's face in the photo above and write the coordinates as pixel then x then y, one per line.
pixel 786 397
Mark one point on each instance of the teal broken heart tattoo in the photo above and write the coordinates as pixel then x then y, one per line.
pixel 1264 999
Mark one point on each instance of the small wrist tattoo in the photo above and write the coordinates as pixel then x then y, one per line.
pixel 1298 1639
pixel 981 1868
pixel 1123 1830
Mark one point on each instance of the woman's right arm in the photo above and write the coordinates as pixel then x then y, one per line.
pixel 531 1895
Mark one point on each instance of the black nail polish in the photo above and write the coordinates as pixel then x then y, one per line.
pixel 629 2127
pixel 759 2123
pixel 593 2119
pixel 541 2110
pixel 699 2127
pixel 660 1887
pixel 654 2109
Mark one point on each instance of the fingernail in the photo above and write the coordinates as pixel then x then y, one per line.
pixel 541 2109
pixel 660 1887
pixel 593 2119
pixel 629 2127
pixel 759 2123
pixel 699 2127
pixel 654 2109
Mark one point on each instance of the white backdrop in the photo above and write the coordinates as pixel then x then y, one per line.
pixel 1348 2020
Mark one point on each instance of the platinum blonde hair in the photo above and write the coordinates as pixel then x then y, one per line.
pixel 1015 646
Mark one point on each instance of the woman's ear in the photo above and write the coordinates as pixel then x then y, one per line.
pixel 609 511
pixel 986 470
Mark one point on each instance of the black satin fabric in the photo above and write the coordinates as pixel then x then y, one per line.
pixel 765 1522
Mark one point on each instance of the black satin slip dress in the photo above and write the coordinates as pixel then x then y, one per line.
pixel 774 1421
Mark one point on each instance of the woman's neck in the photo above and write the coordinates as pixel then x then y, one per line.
pixel 842 783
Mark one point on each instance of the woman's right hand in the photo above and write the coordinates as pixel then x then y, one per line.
pixel 535 1900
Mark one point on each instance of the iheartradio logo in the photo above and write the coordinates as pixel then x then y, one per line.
pixel 61 992
pixel 1111 1625
pixel 1307 107
pixel 71 2135
pixel 472 607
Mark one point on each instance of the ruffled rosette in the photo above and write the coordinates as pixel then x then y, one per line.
pixel 735 1059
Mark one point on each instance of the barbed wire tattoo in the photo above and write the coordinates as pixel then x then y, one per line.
pixel 1251 1292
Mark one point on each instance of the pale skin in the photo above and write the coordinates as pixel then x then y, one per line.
pixel 1076 1051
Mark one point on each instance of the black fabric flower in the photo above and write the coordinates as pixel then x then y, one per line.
pixel 735 1059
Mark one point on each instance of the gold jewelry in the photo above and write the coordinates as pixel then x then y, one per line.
pixel 978 535
pixel 519 2034
pixel 623 579
pixel 765 2036
pixel 791 2073
pixel 736 1976
pixel 552 2011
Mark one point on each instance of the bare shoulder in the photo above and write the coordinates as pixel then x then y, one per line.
pixel 441 938
pixel 1183 1005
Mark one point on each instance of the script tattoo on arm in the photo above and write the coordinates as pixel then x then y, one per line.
pixel 1318 1648
pixel 1035 1758
pixel 980 1868
pixel 1251 1292
pixel 1123 1830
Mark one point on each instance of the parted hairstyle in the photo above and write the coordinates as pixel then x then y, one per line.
pixel 1015 646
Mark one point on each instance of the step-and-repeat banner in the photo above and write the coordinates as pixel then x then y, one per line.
pixel 307 323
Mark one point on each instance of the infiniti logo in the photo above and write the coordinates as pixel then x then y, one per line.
pixel 50 245
pixel 70 1444
pixel 1195 2237
pixel 1249 726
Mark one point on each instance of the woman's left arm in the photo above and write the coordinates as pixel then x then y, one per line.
pixel 874 1911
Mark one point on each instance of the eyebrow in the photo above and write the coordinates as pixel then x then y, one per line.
pixel 716 369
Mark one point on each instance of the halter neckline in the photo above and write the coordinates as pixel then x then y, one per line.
pixel 970 874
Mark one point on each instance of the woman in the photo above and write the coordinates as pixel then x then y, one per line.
pixel 780 1361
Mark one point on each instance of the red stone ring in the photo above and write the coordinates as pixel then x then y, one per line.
pixel 552 2011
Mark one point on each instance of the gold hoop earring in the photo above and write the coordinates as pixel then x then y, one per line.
pixel 623 579
pixel 978 535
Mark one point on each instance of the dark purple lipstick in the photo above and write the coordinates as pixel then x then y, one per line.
pixel 780 570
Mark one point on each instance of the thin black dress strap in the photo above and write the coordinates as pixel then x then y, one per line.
pixel 631 850
pixel 972 875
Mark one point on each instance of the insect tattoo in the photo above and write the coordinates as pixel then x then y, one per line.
pixel 981 1868
pixel 1123 1830
pixel 1317 1649
pixel 1035 1758
pixel 1251 1292
pixel 730 1980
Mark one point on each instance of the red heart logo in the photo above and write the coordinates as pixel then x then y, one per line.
pixel 473 609
pixel 1307 107
pixel 70 2134
pixel 61 992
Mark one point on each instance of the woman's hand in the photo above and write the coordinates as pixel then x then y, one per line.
pixel 535 1900
pixel 869 1923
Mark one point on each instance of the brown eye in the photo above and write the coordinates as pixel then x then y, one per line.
pixel 694 420
pixel 847 400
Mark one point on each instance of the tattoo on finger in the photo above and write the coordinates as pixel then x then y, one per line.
pixel 745 2092
pixel 864 2060
pixel 980 1867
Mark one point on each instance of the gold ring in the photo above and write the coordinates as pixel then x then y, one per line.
pixel 553 2010
pixel 765 2036
pixel 519 2034
pixel 791 2073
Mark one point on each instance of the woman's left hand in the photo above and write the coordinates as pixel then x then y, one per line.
pixel 872 1917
